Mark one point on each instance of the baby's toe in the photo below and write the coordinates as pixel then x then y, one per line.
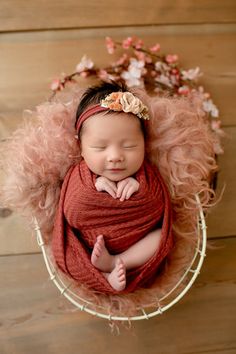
pixel 100 239
pixel 122 278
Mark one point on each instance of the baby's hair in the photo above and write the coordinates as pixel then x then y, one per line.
pixel 94 94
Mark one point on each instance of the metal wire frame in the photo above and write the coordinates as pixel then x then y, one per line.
pixel 84 305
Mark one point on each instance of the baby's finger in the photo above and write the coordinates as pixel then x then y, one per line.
pixel 124 193
pixel 112 186
pixel 130 191
pixel 121 185
pixel 110 190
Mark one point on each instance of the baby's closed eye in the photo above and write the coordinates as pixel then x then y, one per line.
pixel 98 147
pixel 129 146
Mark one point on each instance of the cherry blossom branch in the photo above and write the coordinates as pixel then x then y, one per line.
pixel 145 67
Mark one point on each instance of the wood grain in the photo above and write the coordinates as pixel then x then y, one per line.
pixel 38 41
pixel 29 61
pixel 33 317
pixel 16 236
pixel 18 15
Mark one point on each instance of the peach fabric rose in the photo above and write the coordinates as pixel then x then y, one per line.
pixel 126 102
pixel 130 103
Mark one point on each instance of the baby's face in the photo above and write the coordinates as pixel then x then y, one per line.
pixel 112 145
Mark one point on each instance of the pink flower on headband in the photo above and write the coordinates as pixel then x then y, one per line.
pixel 130 103
pixel 126 102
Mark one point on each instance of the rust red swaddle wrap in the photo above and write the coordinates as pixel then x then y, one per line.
pixel 84 213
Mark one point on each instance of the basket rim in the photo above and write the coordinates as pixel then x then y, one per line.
pixel 200 252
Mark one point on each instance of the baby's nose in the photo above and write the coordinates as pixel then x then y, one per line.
pixel 115 155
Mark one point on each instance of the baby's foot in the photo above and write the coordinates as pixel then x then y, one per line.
pixel 100 257
pixel 117 278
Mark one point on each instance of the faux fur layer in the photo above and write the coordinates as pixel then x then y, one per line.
pixel 37 156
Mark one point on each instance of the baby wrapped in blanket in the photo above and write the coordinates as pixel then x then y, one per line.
pixel 113 226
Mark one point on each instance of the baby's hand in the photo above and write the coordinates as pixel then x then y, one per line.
pixel 104 184
pixel 126 188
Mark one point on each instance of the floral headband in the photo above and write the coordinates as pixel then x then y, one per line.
pixel 118 102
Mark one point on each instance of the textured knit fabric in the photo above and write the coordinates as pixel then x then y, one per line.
pixel 84 213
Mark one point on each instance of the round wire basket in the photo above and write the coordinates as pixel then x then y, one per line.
pixel 188 278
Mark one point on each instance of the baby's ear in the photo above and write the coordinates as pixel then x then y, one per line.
pixel 79 144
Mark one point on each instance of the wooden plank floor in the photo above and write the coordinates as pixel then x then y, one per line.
pixel 42 56
pixel 35 318
pixel 82 13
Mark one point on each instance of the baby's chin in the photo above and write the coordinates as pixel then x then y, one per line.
pixel 116 176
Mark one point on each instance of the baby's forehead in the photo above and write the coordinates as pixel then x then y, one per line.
pixel 111 125
pixel 110 118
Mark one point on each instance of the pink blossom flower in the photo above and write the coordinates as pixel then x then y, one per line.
pixel 209 107
pixel 122 59
pixel 174 71
pixel 84 64
pixel 127 42
pixel 84 74
pixel 207 95
pixel 184 90
pixel 103 75
pixel 174 79
pixel 163 79
pixel 139 44
pixel 215 124
pixel 175 74
pixel 171 58
pixel 160 66
pixel 204 95
pixel 56 85
pixel 140 55
pixel 139 64
pixel 192 74
pixel 217 147
pixel 131 79
pixel 155 48
pixel 110 44
pixel 144 71
pixel 133 76
pixel 148 59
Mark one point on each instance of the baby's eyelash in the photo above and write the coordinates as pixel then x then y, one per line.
pixel 98 147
